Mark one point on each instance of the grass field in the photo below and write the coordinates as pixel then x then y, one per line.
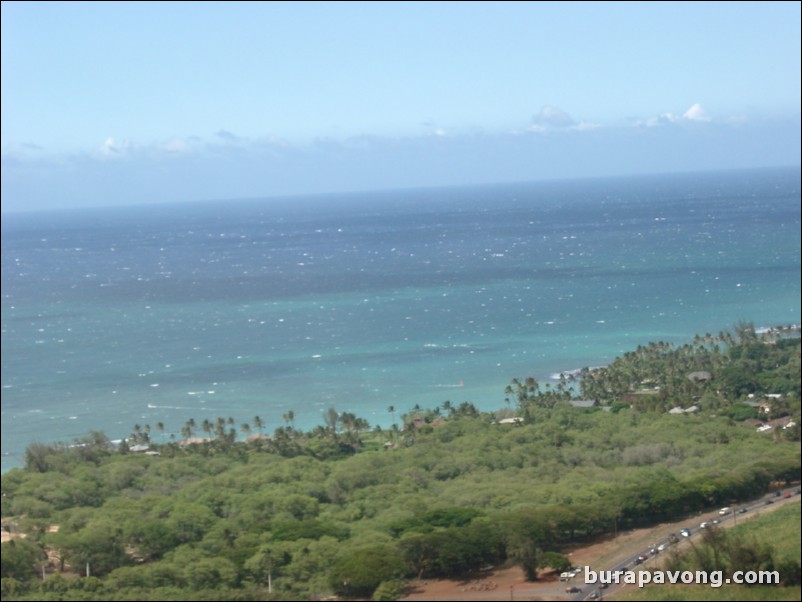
pixel 781 528
pixel 704 593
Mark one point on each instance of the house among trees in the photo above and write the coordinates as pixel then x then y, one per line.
pixel 701 376
pixel 678 410
pixel 583 403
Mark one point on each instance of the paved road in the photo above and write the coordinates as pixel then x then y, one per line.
pixel 648 558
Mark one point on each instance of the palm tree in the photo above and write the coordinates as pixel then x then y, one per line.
pixel 332 418
pixel 137 434
pixel 289 419
pixel 220 427
pixel 259 424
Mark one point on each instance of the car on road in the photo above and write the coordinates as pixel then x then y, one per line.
pixel 704 525
pixel 742 510
pixel 725 511
pixel 572 590
pixel 685 532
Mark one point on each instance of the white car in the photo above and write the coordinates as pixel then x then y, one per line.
pixel 725 511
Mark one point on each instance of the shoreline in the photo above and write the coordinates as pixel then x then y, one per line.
pixel 377 416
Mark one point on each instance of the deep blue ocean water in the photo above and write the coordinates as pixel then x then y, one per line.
pixel 113 317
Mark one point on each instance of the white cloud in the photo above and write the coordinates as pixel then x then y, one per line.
pixel 584 126
pixel 21 150
pixel 112 148
pixel 177 145
pixel 696 113
pixel 537 129
pixel 552 116
pixel 228 136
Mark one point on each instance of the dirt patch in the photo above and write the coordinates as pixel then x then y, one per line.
pixel 6 536
pixel 497 584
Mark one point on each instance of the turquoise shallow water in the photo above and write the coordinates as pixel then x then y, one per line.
pixel 143 315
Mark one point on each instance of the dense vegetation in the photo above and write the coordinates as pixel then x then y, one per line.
pixel 355 512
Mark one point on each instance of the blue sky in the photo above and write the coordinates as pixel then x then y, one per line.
pixel 126 103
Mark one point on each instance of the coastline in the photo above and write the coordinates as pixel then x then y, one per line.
pixel 246 309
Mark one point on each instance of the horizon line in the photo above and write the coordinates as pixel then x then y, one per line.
pixel 411 188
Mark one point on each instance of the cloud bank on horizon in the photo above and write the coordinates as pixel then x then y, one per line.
pixel 227 165
pixel 170 101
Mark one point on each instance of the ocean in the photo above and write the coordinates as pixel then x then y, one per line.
pixel 161 313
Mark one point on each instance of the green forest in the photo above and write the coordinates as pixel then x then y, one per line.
pixel 232 513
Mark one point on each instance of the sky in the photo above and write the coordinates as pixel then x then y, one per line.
pixel 128 103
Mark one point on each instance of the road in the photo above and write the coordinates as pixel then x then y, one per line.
pixel 648 557
pixel 608 555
